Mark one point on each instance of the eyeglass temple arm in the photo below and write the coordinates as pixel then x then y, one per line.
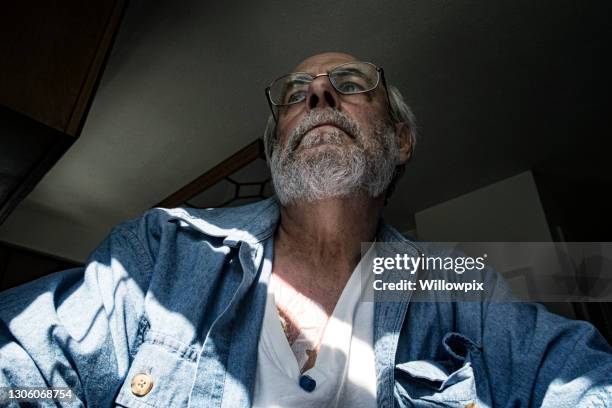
pixel 267 92
pixel 382 77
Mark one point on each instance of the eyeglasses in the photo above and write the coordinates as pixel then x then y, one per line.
pixel 347 79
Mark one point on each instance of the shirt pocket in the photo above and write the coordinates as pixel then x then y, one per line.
pixel 447 383
pixel 160 375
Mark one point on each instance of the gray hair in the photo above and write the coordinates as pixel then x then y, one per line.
pixel 400 112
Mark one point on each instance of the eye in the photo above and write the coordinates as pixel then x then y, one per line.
pixel 350 87
pixel 296 97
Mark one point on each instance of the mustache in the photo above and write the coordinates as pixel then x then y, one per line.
pixel 318 117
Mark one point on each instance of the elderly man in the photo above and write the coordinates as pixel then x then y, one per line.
pixel 260 305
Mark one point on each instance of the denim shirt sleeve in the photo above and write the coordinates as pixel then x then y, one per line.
pixel 537 358
pixel 76 328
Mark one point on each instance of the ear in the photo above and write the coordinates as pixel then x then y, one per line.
pixel 403 138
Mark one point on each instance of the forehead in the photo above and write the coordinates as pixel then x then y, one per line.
pixel 321 63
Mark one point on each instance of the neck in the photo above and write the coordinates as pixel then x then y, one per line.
pixel 335 225
pixel 319 243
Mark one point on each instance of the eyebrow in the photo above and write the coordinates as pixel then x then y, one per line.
pixel 348 71
pixel 299 77
pixel 294 83
pixel 302 79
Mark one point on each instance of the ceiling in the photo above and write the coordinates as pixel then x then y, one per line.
pixel 497 87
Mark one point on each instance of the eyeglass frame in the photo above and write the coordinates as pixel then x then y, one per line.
pixel 381 78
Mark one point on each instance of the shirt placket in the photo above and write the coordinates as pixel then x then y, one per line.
pixel 209 385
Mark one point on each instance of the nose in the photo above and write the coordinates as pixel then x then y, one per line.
pixel 321 94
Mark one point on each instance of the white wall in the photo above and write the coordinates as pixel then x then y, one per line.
pixel 506 211
pixel 509 210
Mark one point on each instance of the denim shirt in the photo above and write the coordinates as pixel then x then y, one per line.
pixel 176 294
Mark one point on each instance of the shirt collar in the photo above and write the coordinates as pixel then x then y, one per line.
pixel 251 223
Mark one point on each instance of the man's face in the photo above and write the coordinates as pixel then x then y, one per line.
pixel 332 144
pixel 363 108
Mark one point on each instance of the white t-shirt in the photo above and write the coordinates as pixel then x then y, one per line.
pixel 344 373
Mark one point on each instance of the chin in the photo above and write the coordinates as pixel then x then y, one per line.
pixel 324 146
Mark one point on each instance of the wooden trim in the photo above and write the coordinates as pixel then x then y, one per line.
pixel 94 73
pixel 228 166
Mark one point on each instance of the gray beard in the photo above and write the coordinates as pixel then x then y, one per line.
pixel 340 170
